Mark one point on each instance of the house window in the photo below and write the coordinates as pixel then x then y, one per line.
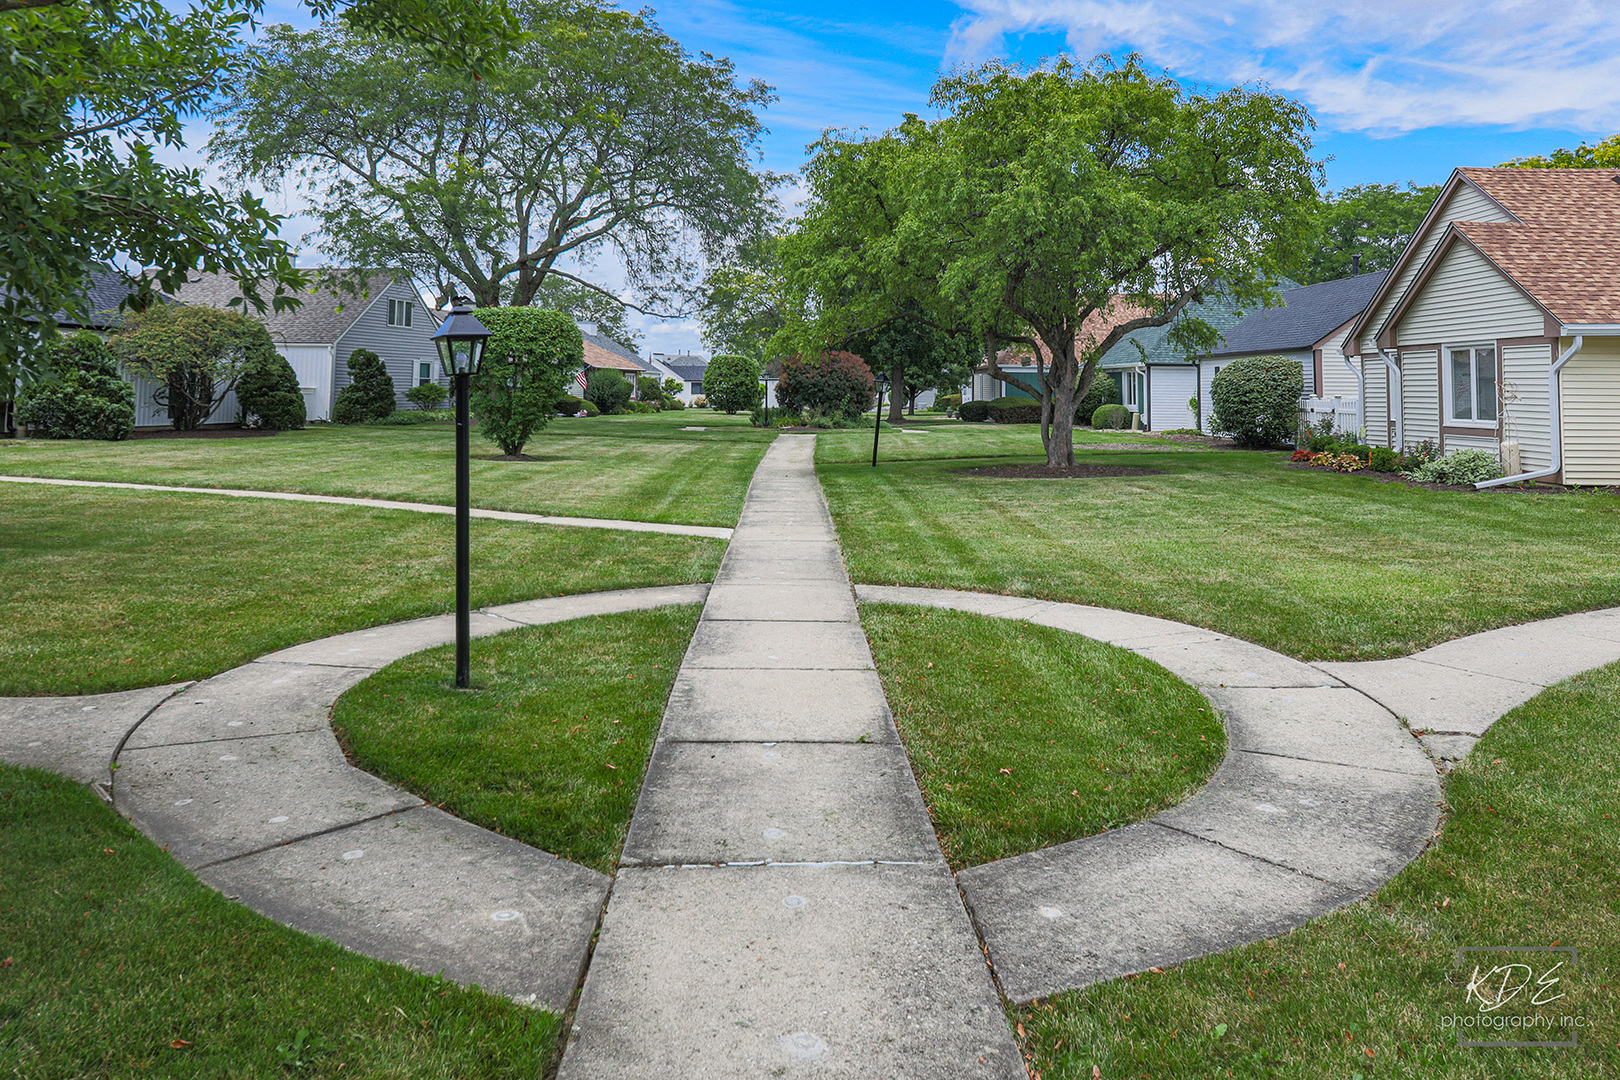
pixel 399 312
pixel 424 373
pixel 1128 389
pixel 697 388
pixel 1471 385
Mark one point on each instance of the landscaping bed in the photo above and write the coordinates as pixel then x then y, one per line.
pixel 549 745
pixel 1026 736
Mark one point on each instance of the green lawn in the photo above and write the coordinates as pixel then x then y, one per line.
pixel 106 590
pixel 115 961
pixel 1025 736
pixel 1317 565
pixel 550 745
pixel 642 468
pixel 1527 857
pixel 942 438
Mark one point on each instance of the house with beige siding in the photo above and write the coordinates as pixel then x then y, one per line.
pixel 1499 327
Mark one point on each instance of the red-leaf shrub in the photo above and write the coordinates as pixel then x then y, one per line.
pixel 834 383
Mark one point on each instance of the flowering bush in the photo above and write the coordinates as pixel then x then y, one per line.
pixel 834 383
pixel 1338 462
pixel 1302 455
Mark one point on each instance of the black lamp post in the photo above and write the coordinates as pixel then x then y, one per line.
pixel 460 341
pixel 877 422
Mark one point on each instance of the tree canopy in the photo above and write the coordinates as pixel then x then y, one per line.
pixel 192 354
pixel 1604 155
pixel 1374 221
pixel 597 134
pixel 1048 204
pixel 89 90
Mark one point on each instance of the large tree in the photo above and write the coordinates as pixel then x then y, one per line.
pixel 1603 155
pixel 918 357
pixel 89 90
pixel 1369 222
pixel 1047 205
pixel 598 135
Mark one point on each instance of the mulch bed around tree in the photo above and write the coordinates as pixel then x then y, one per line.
pixel 515 457
pixel 1060 472
pixel 205 433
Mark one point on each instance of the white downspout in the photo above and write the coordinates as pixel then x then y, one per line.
pixel 1361 386
pixel 1397 406
pixel 1555 422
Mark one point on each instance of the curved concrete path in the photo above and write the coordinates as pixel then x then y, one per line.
pixel 710 531
pixel 1324 794
pixel 240 778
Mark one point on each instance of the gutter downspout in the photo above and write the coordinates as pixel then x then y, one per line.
pixel 1361 387
pixel 1555 424
pixel 1398 406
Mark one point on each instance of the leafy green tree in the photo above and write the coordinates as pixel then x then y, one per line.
pixel 370 393
pixel 529 353
pixel 268 394
pixel 598 133
pixel 1604 155
pixel 1372 221
pixel 192 355
pixel 588 304
pixel 673 386
pixel 84 397
pixel 731 383
pixel 742 305
pixel 1045 198
pixel 918 357
pixel 87 93
pixel 607 390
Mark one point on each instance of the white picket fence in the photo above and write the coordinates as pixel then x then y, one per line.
pixel 1346 412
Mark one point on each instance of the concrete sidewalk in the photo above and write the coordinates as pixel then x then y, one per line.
pixel 783 907
pixel 709 531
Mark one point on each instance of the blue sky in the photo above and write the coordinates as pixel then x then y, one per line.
pixel 1403 90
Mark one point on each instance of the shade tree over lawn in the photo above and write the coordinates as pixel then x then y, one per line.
pixel 599 134
pixel 86 95
pixel 1045 197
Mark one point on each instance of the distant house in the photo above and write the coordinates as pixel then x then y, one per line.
pixel 1155 378
pixel 387 317
pixel 1499 327
pixel 1309 327
pixel 604 354
pixel 106 292
pixel 1019 360
pixel 685 368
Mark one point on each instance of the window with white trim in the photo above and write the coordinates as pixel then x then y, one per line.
pixel 1128 389
pixel 399 312
pixel 424 372
pixel 1471 385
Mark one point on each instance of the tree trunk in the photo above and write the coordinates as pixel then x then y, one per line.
pixel 897 394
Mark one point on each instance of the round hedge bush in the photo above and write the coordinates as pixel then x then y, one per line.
pixel 370 393
pixel 1102 392
pixel 1255 400
pixel 83 398
pixel 607 390
pixel 974 412
pixel 268 396
pixel 834 384
pixel 731 384
pixel 1015 410
pixel 1111 417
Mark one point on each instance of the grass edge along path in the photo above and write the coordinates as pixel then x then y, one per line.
pixel 550 746
pixel 106 590
pixel 1317 566
pixel 116 961
pixel 1025 736
pixel 1527 856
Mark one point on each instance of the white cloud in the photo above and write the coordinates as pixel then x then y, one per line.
pixel 1377 66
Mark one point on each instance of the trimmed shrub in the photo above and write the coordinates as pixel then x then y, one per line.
pixel 731 384
pixel 1256 400
pixel 370 393
pixel 1101 392
pixel 974 412
pixel 1459 467
pixel 1385 460
pixel 268 396
pixel 674 403
pixel 641 407
pixel 82 397
pixel 1111 417
pixel 530 351
pixel 412 417
pixel 833 384
pixel 569 405
pixel 1015 410
pixel 607 390
pixel 427 396
pixel 700 402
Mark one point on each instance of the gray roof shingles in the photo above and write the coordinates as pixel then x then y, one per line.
pixel 1220 313
pixel 1309 314
pixel 318 321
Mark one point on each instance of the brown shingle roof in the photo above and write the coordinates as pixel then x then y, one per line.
pixel 1562 251
pixel 598 357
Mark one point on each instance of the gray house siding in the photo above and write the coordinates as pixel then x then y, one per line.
pixel 402 348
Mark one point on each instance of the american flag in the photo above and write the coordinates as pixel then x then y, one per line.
pixel 580 378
